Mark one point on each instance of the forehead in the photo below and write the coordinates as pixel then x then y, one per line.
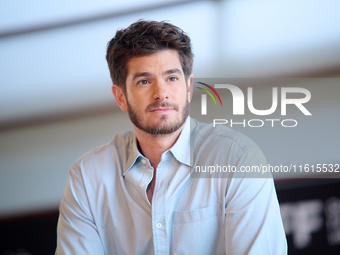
pixel 155 62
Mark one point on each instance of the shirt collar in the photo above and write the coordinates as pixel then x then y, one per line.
pixel 133 154
pixel 180 150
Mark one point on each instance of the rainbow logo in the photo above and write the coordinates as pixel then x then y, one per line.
pixel 204 97
pixel 208 92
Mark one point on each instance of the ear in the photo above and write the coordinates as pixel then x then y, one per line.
pixel 190 83
pixel 120 97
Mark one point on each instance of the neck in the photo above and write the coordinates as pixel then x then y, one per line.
pixel 153 146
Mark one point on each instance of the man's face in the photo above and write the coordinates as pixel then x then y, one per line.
pixel 157 96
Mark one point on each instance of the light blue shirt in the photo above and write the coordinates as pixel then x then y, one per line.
pixel 105 209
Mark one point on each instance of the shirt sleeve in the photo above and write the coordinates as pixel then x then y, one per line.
pixel 253 224
pixel 77 231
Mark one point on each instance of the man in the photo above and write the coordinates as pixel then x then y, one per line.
pixel 135 194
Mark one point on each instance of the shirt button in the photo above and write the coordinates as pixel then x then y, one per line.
pixel 143 161
pixel 158 225
pixel 141 185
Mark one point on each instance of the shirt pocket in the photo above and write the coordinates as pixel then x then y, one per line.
pixel 198 231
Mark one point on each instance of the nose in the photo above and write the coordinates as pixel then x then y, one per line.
pixel 160 92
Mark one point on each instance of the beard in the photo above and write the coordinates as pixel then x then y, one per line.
pixel 159 129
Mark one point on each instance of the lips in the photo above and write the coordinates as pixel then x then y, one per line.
pixel 161 107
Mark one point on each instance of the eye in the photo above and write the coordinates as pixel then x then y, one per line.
pixel 173 79
pixel 143 82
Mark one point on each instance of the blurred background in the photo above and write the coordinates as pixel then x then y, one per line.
pixel 56 102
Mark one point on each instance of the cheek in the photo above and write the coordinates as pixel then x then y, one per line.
pixel 183 96
pixel 138 102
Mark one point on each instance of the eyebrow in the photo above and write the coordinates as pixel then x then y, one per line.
pixel 171 71
pixel 148 74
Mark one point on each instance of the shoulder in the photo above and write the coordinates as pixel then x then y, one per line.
pixel 106 157
pixel 223 146
pixel 119 141
pixel 220 135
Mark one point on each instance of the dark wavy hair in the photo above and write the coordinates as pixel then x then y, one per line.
pixel 142 38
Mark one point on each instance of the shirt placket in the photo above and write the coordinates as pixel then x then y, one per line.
pixel 159 226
